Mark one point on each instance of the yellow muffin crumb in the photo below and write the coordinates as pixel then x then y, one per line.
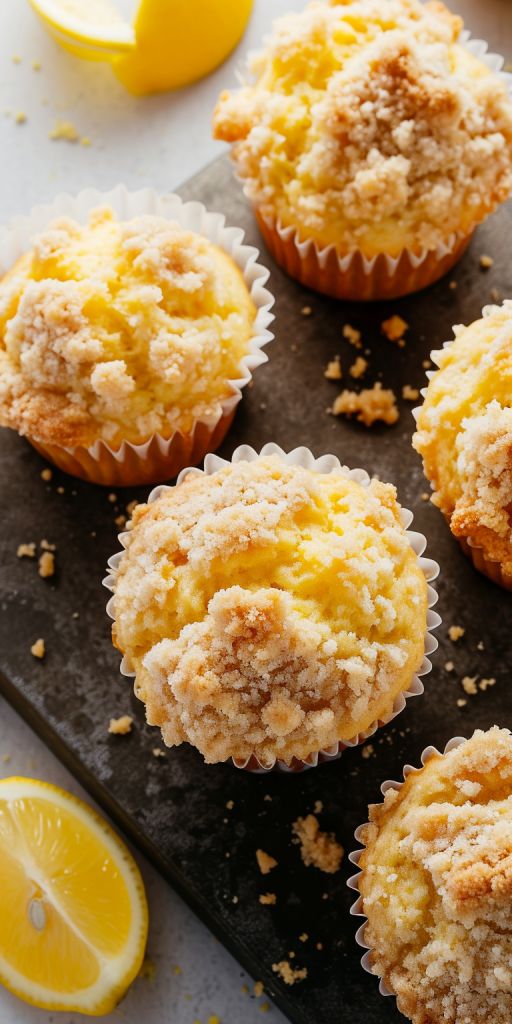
pixel 456 633
pixel 368 405
pixel 118 330
pixel 289 974
pixel 437 885
pixel 486 262
pixel 370 131
pixel 38 648
pixel 265 862
pixel 317 849
pixel 120 726
pixel 359 368
pixel 46 564
pixel 333 369
pixel 464 433
pixel 268 899
pixel 394 328
pixel 352 335
pixel 269 609
pixel 410 394
pixel 26 550
pixel 64 131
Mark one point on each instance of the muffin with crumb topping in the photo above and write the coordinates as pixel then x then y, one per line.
pixel 371 142
pixel 464 435
pixel 268 610
pixel 436 885
pixel 123 333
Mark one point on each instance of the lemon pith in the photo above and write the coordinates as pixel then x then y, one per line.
pixel 73 921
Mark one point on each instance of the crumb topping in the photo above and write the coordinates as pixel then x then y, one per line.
pixel 437 885
pixel 119 330
pixel 269 609
pixel 318 849
pixel 379 131
pixel 368 405
pixel 464 433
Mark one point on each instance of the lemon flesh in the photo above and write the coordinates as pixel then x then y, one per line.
pixel 73 921
pixel 172 43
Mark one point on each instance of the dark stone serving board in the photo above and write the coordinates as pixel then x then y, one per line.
pixel 174 808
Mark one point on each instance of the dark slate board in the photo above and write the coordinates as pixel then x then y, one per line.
pixel 174 808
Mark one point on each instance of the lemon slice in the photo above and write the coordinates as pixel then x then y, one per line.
pixel 73 921
pixel 93 29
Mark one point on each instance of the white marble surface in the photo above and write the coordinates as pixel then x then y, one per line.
pixel 158 141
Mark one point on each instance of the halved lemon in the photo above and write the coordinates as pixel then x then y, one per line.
pixel 73 912
pixel 94 30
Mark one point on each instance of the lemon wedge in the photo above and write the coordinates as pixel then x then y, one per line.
pixel 171 43
pixel 73 921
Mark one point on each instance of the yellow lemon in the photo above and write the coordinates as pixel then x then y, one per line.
pixel 73 912
pixel 171 43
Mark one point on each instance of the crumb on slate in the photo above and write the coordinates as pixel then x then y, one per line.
pixel 46 564
pixel 46 474
pixel 333 369
pixel 394 328
pixel 367 750
pixel 38 648
pixel 410 394
pixel 306 311
pixel 26 550
pixel 268 899
pixel 317 849
pixel 369 405
pixel 120 726
pixel 258 989
pixel 469 685
pixel 359 368
pixel 352 335
pixel 455 633
pixel 486 262
pixel 288 973
pixel 449 666
pixel 265 862
pixel 158 752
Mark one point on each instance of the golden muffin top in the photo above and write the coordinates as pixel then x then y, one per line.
pixel 118 330
pixel 464 432
pixel 437 886
pixel 366 124
pixel 269 608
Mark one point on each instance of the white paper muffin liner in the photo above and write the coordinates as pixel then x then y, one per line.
pixel 325 464
pixel 355 276
pixel 487 566
pixel 158 458
pixel 353 882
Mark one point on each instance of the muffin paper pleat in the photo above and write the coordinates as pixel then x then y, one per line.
pixel 354 276
pixel 353 882
pixel 482 563
pixel 325 464
pixel 158 458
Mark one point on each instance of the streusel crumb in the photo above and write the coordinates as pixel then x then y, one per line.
pixel 368 405
pixel 318 849
pixel 46 564
pixel 394 328
pixel 265 862
pixel 120 726
pixel 26 550
pixel 289 974
pixel 38 648
pixel 268 899
pixel 437 885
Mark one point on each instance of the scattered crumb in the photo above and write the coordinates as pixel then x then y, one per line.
pixel 371 404
pixel 455 633
pixel 426 364
pixel 469 685
pixel 85 141
pixel 36 65
pixel 453 286
pixel 120 520
pixel 120 726
pixel 75 615
pixel 449 666
pixel 480 646
pixel 495 295
pixel 235 899
pixel 38 648
pixel 258 989
pixel 46 474
pixel 265 862
pixel 268 899
pixel 304 937
pixel 26 550
pixel 131 506
pixel 112 498
pixel 352 335
pixel 394 328
pixel 486 262
pixel 64 131
pixel 230 804
pixel 289 974
pixel 367 751
pixel 46 546
pixel 318 808
pixel 425 496
pixel 158 752
pixel 410 394
pixel 267 798
pixel 16 59
pixel 358 368
pixel 61 490
pixel 333 369
pixel 46 564
pixel 20 117
pixel 317 849
pixel 306 311
pixel 461 703
pixel 319 946
pixel 484 684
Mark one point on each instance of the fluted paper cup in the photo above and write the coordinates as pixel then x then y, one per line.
pixel 354 276
pixel 354 881
pixel 325 464
pixel 158 457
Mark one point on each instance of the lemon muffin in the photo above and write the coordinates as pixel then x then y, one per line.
pixel 368 127
pixel 268 609
pixel 117 331
pixel 436 886
pixel 464 434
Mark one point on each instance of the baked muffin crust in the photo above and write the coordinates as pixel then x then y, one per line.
pixel 464 433
pixel 269 609
pixel 437 886
pixel 366 124
pixel 118 330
